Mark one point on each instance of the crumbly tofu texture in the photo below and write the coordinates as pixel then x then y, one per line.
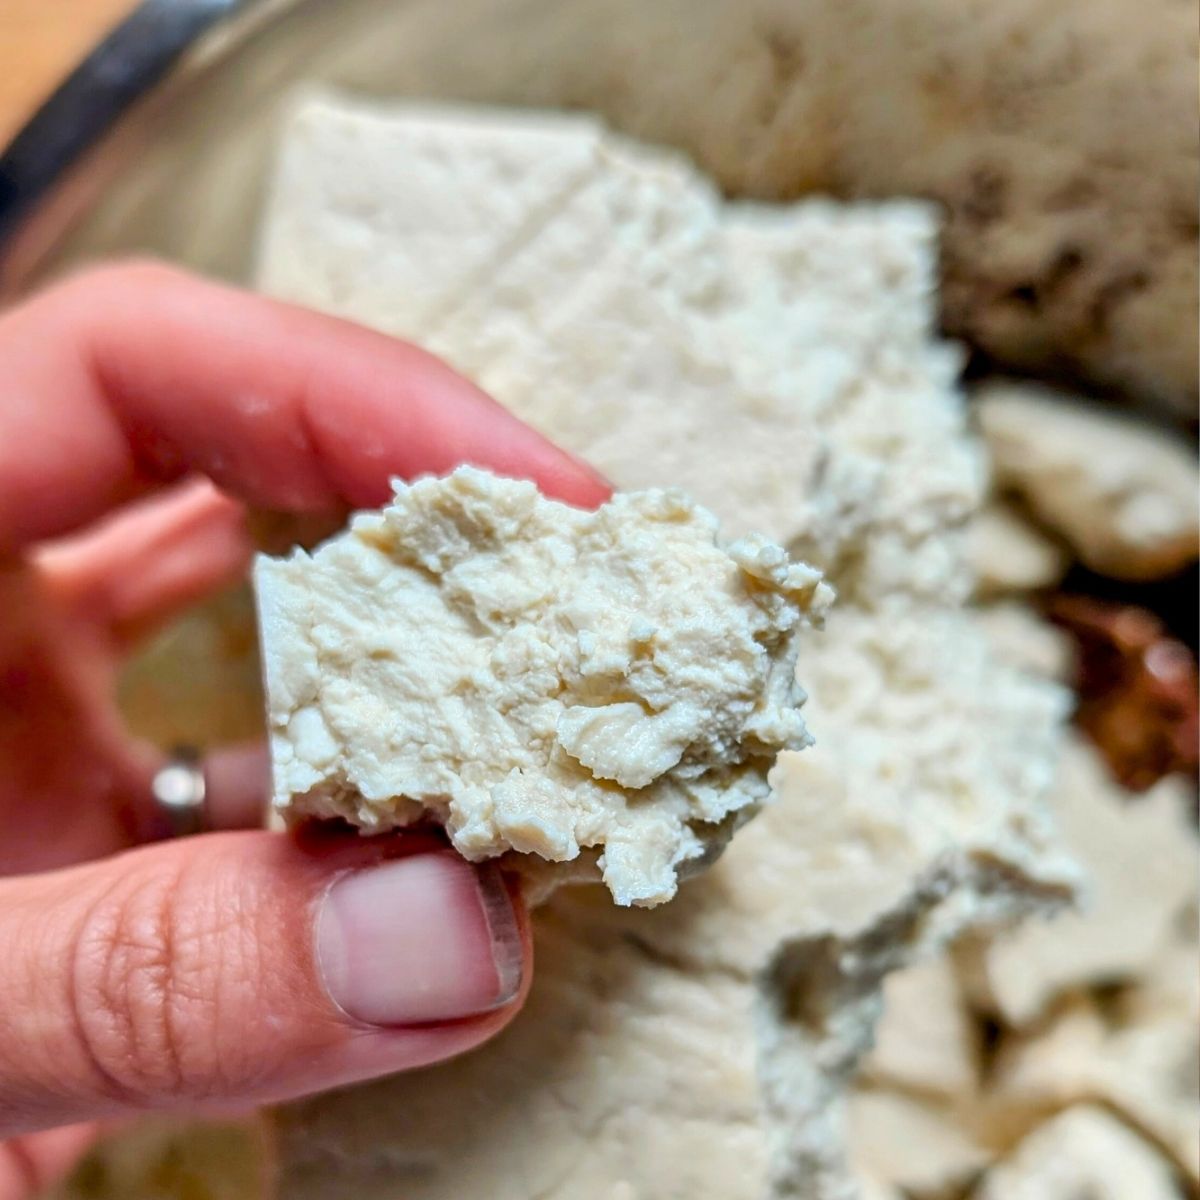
pixel 781 365
pixel 539 678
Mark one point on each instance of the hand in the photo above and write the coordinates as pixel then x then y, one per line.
pixel 138 408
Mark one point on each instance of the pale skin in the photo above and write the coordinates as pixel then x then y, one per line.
pixel 140 410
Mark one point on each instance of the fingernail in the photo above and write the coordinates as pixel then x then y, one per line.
pixel 418 939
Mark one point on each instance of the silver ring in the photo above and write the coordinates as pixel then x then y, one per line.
pixel 180 793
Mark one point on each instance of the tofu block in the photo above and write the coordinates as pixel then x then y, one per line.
pixel 618 323
pixel 781 365
pixel 536 678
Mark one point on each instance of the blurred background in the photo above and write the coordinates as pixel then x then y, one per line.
pixel 1059 139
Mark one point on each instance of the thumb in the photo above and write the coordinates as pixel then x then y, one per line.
pixel 241 968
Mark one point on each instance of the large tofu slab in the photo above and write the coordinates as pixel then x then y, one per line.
pixel 782 366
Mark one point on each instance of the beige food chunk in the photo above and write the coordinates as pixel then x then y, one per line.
pixel 1010 555
pixel 1084 1152
pixel 911 1145
pixel 1143 1066
pixel 1022 638
pixel 783 367
pixel 926 1040
pixel 1124 495
pixel 874 1189
pixel 538 678
pixel 1140 862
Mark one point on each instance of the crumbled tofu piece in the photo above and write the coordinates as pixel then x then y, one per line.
pixel 539 678
pixel 1123 494
pixel 874 1189
pixel 1085 1152
pixel 783 366
pixel 926 1040
pixel 1021 637
pixel 1010 555
pixel 1143 1066
pixel 1140 863
pixel 911 1144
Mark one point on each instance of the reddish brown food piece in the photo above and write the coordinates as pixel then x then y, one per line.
pixel 1137 689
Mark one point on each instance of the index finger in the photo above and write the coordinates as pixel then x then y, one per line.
pixel 131 376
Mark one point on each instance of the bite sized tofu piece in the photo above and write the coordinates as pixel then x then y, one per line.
pixel 1085 1151
pixel 1141 1065
pixel 1125 495
pixel 1023 638
pixel 926 1039
pixel 911 1145
pixel 1139 859
pixel 1010 555
pixel 537 678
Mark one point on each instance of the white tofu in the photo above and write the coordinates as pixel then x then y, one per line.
pixel 622 319
pixel 1010 555
pixel 782 367
pixel 1083 1152
pixel 926 1039
pixel 539 679
pixel 1125 495
pixel 911 1144
pixel 1143 1066
pixel 1139 855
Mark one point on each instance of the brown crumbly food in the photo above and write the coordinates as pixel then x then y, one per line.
pixel 1137 689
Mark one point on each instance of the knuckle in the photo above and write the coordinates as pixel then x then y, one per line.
pixel 145 991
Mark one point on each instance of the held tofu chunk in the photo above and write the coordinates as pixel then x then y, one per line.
pixel 537 678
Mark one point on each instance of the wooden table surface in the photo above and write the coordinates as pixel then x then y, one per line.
pixel 40 41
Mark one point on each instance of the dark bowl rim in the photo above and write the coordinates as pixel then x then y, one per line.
pixel 134 56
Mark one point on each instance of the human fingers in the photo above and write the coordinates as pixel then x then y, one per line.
pixel 134 570
pixel 30 1165
pixel 237 785
pixel 245 968
pixel 134 375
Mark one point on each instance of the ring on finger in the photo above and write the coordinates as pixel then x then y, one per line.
pixel 180 792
